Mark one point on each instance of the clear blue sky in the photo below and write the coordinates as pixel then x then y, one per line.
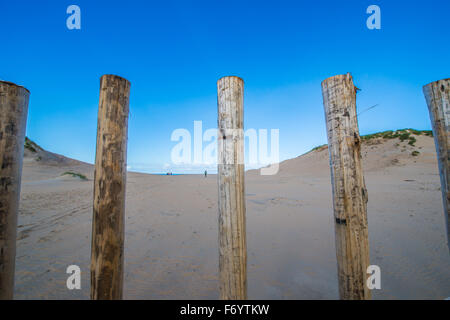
pixel 173 52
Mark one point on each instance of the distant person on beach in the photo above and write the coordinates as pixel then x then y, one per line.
pixel 206 173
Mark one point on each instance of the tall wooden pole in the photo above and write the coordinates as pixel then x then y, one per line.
pixel 232 235
pixel 109 189
pixel 437 95
pixel 349 190
pixel 13 120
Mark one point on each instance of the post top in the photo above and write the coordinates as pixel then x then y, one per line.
pixel 348 75
pixel 116 77
pixel 14 85
pixel 231 77
pixel 435 82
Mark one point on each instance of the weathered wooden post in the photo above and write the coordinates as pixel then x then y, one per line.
pixel 232 234
pixel 437 95
pixel 13 120
pixel 349 191
pixel 109 189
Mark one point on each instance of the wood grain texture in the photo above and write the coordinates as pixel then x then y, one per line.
pixel 437 95
pixel 13 117
pixel 232 224
pixel 107 251
pixel 349 191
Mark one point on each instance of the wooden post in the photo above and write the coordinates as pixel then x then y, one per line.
pixel 437 95
pixel 349 191
pixel 232 235
pixel 109 189
pixel 13 120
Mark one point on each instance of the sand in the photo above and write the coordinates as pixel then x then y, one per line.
pixel 171 241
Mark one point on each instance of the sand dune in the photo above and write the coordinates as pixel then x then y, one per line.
pixel 171 248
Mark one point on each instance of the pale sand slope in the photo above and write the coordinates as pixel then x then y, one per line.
pixel 171 248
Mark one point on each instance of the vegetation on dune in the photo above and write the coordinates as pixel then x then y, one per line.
pixel 32 146
pixel 402 135
pixel 415 153
pixel 322 146
pixel 318 148
pixel 412 140
pixel 75 174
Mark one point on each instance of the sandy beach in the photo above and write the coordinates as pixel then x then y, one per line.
pixel 171 243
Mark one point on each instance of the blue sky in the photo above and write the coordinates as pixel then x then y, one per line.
pixel 173 52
